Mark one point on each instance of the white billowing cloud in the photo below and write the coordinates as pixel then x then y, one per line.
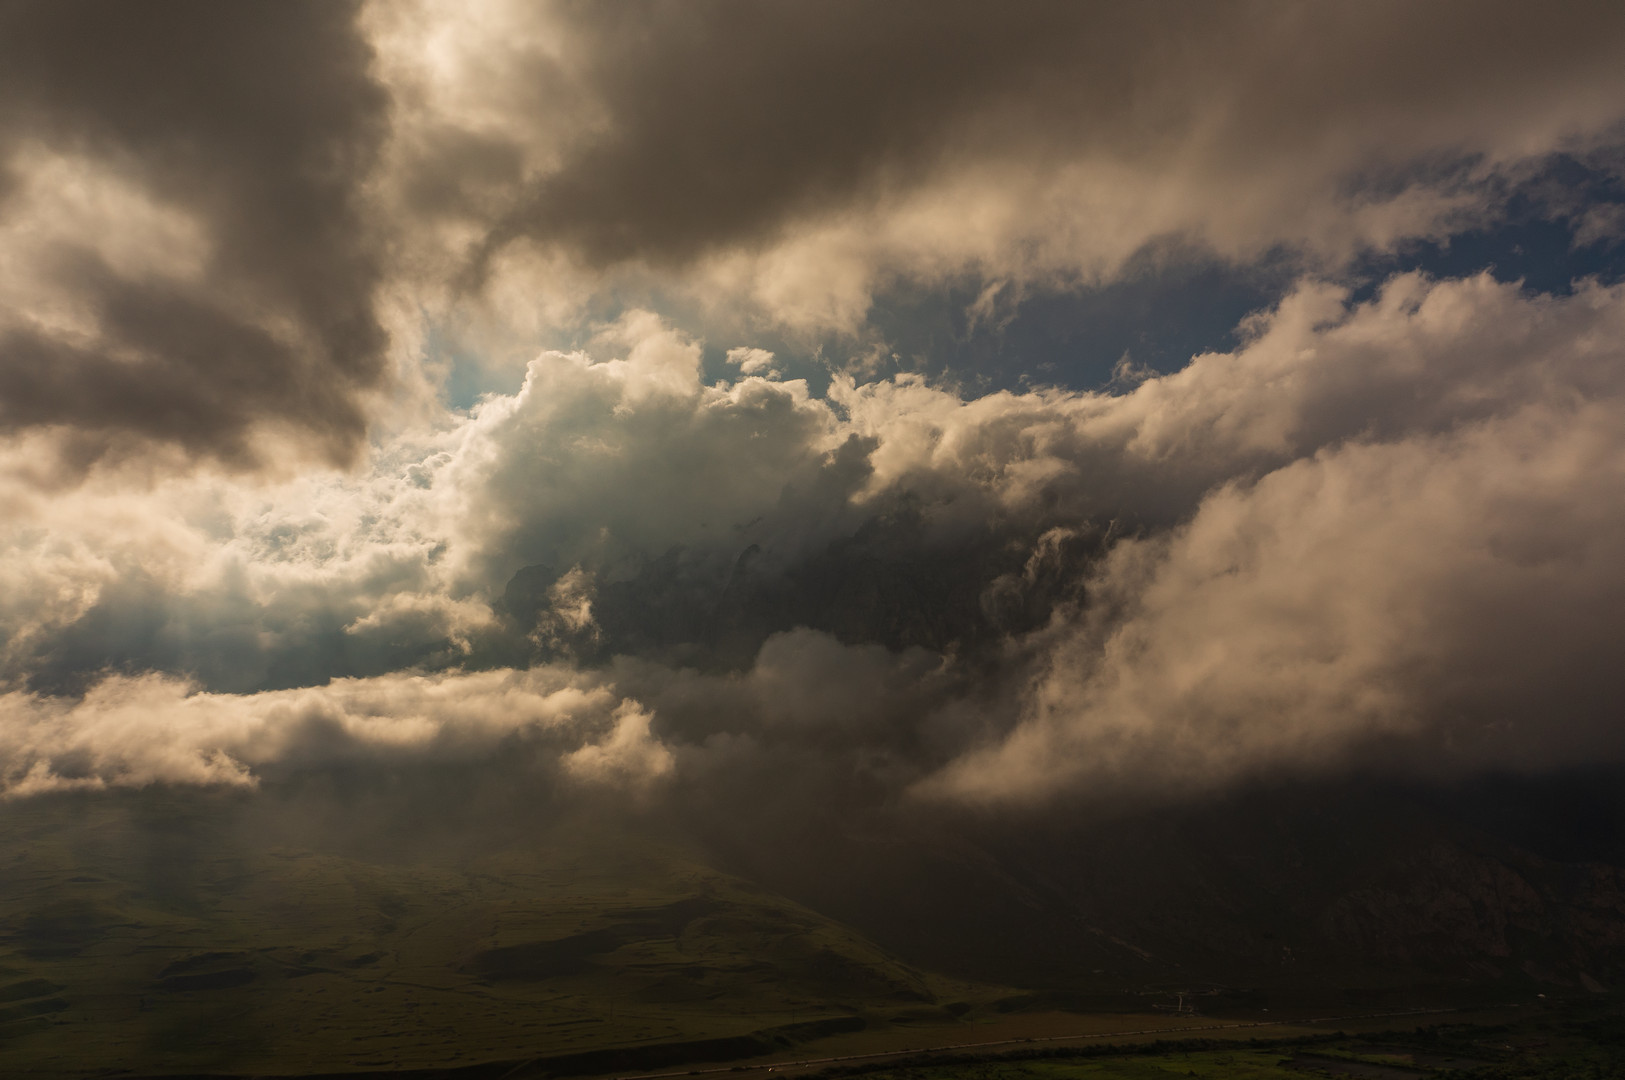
pixel 134 731
pixel 595 460
pixel 1344 532
pixel 1456 591
pixel 220 577
pixel 751 361
pixel 1440 584
pixel 1420 357
pixel 629 753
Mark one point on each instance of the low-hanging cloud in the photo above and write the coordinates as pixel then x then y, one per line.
pixel 1440 599
pixel 134 731
pixel 1375 532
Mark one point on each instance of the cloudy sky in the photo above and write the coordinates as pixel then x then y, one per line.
pixel 966 403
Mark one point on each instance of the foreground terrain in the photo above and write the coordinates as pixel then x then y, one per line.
pixel 157 941
pixel 176 933
pixel 1547 1042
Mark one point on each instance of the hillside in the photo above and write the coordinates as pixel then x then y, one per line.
pixel 190 932
pixel 150 932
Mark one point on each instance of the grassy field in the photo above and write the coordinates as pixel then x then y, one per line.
pixel 162 934
pixel 158 945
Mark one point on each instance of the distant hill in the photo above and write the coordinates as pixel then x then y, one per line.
pixel 1347 888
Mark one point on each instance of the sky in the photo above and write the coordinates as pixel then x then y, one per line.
pixel 928 404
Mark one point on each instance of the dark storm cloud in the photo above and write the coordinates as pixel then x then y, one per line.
pixel 724 119
pixel 197 201
pixel 258 120
pixel 726 122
